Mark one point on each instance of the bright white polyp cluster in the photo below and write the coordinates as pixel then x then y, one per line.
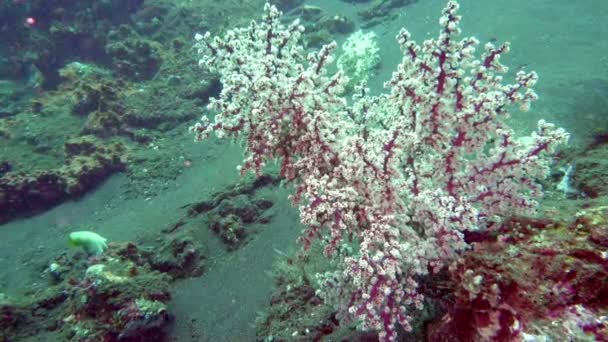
pixel 360 57
pixel 402 174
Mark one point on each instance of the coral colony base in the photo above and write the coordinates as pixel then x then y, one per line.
pixel 388 183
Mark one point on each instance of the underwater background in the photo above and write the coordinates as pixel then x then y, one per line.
pixel 96 101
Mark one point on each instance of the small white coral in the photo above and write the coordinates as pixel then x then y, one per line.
pixel 360 57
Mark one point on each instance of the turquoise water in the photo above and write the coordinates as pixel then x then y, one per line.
pixel 126 73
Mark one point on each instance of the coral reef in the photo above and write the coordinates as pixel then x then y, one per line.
pixel 180 258
pixel 63 31
pixel 360 58
pixel 401 176
pixel 295 312
pixel 233 213
pixel 113 69
pixel 530 277
pixel 379 10
pixel 116 296
pixel 133 56
pixel 88 162
pixel 320 27
pixel 590 174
